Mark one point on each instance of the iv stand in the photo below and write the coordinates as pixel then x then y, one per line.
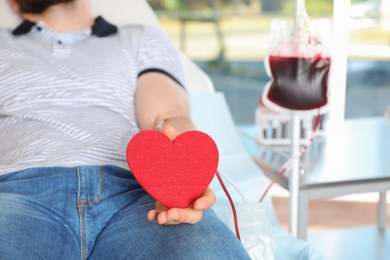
pixel 294 181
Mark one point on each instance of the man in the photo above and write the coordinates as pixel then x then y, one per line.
pixel 74 91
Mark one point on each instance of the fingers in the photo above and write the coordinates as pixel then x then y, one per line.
pixel 172 126
pixel 191 215
pixel 170 131
pixel 206 200
pixel 152 215
pixel 177 216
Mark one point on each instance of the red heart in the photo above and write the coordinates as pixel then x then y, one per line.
pixel 174 173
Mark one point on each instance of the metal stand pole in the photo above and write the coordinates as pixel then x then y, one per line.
pixel 382 211
pixel 295 138
pixel 295 177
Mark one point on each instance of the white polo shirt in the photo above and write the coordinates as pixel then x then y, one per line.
pixel 67 99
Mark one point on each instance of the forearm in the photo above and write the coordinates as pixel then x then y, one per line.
pixel 159 98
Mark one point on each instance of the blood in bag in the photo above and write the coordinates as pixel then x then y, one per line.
pixel 299 77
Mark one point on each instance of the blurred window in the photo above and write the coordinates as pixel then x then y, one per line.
pixel 228 39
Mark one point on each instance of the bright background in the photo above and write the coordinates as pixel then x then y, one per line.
pixel 228 39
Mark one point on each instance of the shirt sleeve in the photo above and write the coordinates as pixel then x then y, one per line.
pixel 157 53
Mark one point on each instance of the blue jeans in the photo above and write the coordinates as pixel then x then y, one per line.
pixel 97 213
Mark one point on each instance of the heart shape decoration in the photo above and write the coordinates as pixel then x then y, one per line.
pixel 174 173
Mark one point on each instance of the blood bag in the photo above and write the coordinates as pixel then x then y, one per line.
pixel 255 227
pixel 299 68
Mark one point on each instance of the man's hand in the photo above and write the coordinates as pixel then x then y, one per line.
pixel 190 215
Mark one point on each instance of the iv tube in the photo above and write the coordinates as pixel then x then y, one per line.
pixel 298 9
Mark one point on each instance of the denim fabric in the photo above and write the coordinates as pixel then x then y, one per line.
pixel 97 213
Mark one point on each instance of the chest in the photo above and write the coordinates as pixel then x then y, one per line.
pixel 49 71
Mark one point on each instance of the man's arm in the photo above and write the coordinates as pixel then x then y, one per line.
pixel 158 98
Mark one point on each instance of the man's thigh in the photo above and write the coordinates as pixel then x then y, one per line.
pixel 30 218
pixel 27 233
pixel 129 235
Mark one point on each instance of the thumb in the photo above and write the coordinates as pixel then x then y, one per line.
pixel 170 132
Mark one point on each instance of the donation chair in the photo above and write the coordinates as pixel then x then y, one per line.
pixel 210 114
